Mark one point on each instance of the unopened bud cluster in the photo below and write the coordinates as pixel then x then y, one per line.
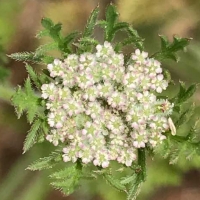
pixel 104 110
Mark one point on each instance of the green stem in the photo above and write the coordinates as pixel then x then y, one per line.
pixel 79 165
pixel 140 176
pixel 142 164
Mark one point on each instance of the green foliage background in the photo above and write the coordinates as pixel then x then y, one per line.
pixel 150 18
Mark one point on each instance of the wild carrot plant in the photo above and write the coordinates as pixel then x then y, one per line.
pixel 99 106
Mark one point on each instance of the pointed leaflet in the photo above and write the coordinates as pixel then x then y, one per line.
pixel 135 188
pixel 67 41
pixel 185 116
pixel 67 180
pixel 67 187
pixel 111 18
pixel 120 26
pixel 111 15
pixel 36 57
pixel 114 182
pixel 164 148
pixel 55 32
pixel 182 90
pixel 169 50
pixel 47 23
pixel 175 154
pixel 132 32
pixel 42 33
pixel 181 146
pixel 31 101
pixel 32 135
pixel 189 93
pixel 128 179
pixel 185 93
pixel 64 173
pixel 194 130
pixel 91 23
pixel 69 38
pixel 47 59
pixel 26 56
pixel 45 163
pixel 178 44
pixel 128 41
pixel 89 41
pixel 102 23
pixel 41 50
pixel 164 42
pixel 86 46
pixel 133 37
pixel 53 29
pixel 33 76
pixel 26 101
pixel 42 163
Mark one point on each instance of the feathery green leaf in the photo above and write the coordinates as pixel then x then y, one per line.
pixel 64 173
pixel 169 50
pixel 26 101
pixel 45 163
pixel 91 23
pixel 67 179
pixel 26 56
pixel 185 116
pixel 47 23
pixel 128 179
pixel 33 76
pixel 41 50
pixel 185 93
pixel 114 182
pixel 135 188
pixel 42 33
pixel 111 19
pixel 32 135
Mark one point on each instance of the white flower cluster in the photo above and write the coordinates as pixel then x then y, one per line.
pixel 102 109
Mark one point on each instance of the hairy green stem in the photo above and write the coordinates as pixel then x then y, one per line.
pixel 142 164
pixel 140 176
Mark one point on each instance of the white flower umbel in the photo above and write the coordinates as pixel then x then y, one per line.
pixel 103 110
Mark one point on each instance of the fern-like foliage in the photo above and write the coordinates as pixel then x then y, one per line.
pixel 182 146
pixel 67 179
pixel 32 135
pixel 111 180
pixel 169 50
pixel 111 26
pixel 179 147
pixel 46 162
pixel 27 100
